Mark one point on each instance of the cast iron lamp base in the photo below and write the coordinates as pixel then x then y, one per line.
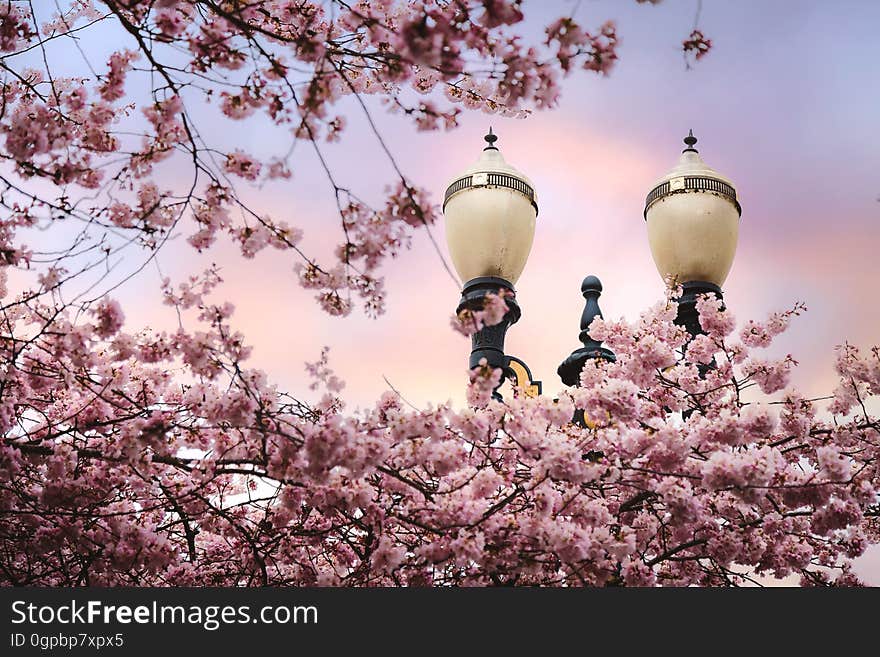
pixel 688 316
pixel 488 342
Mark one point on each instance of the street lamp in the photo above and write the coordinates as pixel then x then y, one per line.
pixel 490 210
pixel 693 216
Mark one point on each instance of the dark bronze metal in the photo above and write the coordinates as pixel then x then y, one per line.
pixel 491 138
pixel 570 369
pixel 689 141
pixel 658 192
pixel 687 304
pixel 488 342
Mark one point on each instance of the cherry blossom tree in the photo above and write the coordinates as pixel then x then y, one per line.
pixel 163 458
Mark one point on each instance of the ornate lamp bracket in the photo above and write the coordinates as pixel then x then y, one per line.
pixel 521 375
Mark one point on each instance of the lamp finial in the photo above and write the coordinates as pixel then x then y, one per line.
pixel 491 138
pixel 690 140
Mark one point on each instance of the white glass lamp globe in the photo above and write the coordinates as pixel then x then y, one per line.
pixel 490 210
pixel 693 218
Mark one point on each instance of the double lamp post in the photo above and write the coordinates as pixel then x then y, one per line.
pixel 692 215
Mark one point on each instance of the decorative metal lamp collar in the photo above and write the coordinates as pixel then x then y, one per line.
pixel 491 170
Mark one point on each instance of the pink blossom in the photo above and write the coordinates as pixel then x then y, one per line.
pixel 716 322
pixel 241 164
pixel 757 422
pixel 832 464
pixel 500 12
pixel 494 309
pixel 119 64
pixel 483 381
pixel 388 555
pixel 16 30
pixel 322 375
pixel 770 375
pixel 110 318
pixel 761 334
pixel 335 128
pixel 697 44
pixel 278 169
pixel 63 21
pixel 701 349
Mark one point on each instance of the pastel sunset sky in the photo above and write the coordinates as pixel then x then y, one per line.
pixel 787 105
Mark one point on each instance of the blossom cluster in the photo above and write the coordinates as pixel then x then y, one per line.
pixel 163 459
pixel 494 308
pixel 141 457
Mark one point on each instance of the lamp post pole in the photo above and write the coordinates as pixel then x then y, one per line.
pixel 490 210
pixel 688 316
pixel 488 342
pixel 570 369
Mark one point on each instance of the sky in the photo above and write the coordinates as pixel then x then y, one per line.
pixel 786 105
